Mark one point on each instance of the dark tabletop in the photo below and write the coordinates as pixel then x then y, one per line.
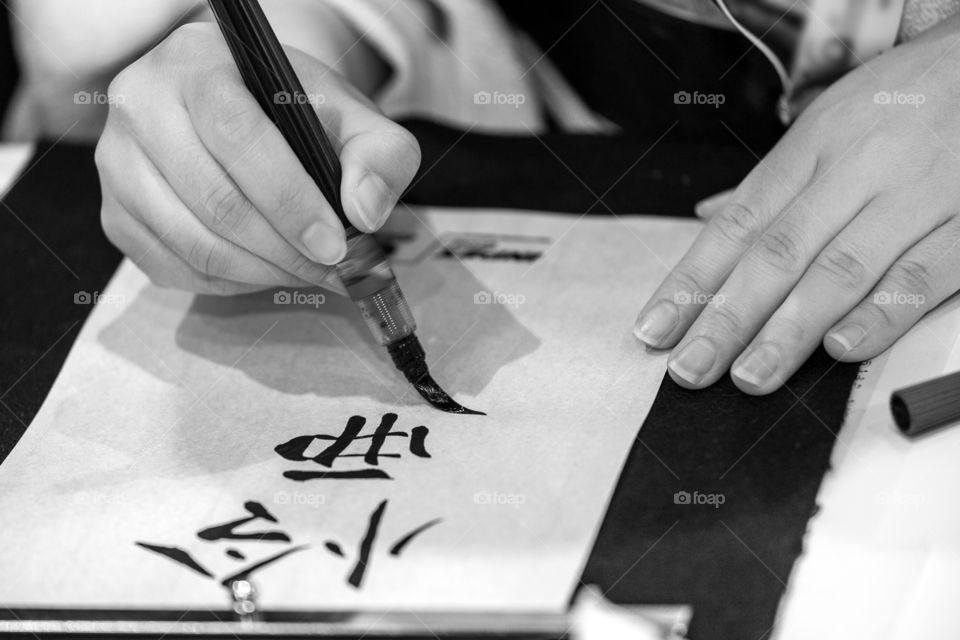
pixel 766 456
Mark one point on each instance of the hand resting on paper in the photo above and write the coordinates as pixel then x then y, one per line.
pixel 202 192
pixel 847 233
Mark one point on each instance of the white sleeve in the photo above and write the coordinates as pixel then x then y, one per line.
pixel 452 60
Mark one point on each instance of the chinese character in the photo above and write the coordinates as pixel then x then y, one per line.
pixel 366 544
pixel 227 531
pixel 296 450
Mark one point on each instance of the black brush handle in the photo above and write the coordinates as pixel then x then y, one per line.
pixel 268 74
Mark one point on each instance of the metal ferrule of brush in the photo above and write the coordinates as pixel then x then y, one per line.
pixel 373 288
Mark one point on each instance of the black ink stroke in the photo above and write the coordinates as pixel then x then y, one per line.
pixel 226 531
pixel 418 441
pixel 177 555
pixel 358 474
pixel 356 576
pixel 296 449
pixel 398 547
pixel 245 573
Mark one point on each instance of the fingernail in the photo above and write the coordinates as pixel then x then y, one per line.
pixel 657 323
pixel 707 206
pixel 695 360
pixel 758 365
pixel 848 336
pixel 374 200
pixel 325 244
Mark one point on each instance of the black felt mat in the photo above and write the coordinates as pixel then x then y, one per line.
pixel 729 562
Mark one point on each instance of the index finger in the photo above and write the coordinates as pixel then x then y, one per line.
pixel 241 137
pixel 761 197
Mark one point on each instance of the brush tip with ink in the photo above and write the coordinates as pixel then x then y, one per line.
pixel 409 357
pixel 364 271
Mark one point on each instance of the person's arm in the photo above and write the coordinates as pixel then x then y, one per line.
pixel 319 30
pixel 66 41
pixel 87 39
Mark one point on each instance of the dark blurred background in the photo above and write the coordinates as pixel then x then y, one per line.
pixel 8 63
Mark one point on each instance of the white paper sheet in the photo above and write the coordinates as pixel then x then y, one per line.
pixel 880 554
pixel 164 420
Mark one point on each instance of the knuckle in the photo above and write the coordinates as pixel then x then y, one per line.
pixel 879 143
pixel 183 43
pixel 122 80
pixel 880 315
pixel 300 266
pixel 200 282
pixel 911 276
pixel 229 208
pixel 234 120
pixel 737 223
pixel 790 330
pixel 210 258
pixel 690 279
pixel 289 204
pixel 123 91
pixel 121 86
pixel 781 249
pixel 843 266
pixel 727 318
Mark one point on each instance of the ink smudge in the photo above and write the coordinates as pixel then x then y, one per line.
pixel 409 357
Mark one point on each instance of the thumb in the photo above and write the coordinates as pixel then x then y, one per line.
pixel 379 157
pixel 378 165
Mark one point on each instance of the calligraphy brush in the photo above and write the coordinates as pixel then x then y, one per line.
pixel 365 273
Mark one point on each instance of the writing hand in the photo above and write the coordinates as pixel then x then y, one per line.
pixel 201 190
